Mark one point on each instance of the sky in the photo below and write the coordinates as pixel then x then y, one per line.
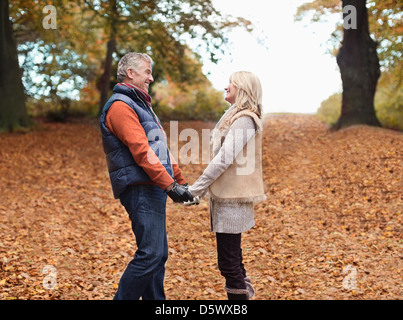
pixel 295 70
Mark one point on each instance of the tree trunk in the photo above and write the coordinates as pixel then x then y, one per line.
pixel 360 71
pixel 104 81
pixel 13 111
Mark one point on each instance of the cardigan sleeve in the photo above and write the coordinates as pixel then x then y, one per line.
pixel 241 131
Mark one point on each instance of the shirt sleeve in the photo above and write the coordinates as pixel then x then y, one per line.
pixel 123 122
pixel 240 132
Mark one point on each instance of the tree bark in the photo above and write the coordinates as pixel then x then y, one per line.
pixel 104 81
pixel 13 111
pixel 360 71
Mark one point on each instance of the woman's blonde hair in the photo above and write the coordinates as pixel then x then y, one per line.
pixel 249 95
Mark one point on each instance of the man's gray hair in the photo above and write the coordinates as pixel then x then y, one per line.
pixel 131 60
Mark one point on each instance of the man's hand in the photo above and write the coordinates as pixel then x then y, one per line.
pixel 179 193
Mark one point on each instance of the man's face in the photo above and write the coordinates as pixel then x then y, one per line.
pixel 142 77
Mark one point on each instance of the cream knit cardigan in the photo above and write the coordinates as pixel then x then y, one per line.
pixel 234 176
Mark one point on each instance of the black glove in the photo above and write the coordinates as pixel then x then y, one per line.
pixel 180 193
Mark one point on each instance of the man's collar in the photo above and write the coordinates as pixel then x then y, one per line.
pixel 143 93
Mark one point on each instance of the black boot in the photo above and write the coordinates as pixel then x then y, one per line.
pixel 234 296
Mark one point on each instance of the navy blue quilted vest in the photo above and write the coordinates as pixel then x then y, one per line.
pixel 123 170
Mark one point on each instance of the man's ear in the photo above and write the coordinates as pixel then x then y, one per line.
pixel 129 73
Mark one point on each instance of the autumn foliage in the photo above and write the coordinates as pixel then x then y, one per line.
pixel 333 214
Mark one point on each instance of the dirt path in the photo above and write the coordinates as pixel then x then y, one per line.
pixel 335 205
pixel 330 228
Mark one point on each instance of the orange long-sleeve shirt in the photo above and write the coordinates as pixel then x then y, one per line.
pixel 123 122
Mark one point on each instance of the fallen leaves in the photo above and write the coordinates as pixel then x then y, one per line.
pixel 334 205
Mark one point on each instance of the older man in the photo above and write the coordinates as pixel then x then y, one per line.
pixel 142 172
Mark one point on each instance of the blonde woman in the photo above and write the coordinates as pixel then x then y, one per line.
pixel 234 178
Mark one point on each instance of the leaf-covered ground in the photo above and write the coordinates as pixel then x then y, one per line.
pixel 330 228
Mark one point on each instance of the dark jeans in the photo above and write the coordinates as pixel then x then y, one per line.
pixel 144 275
pixel 230 260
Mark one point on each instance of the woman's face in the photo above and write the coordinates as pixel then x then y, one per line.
pixel 230 94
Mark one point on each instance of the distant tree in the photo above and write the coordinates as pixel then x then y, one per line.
pixel 388 104
pixel 56 63
pixel 379 27
pixel 92 35
pixel 160 28
pixel 360 71
pixel 13 112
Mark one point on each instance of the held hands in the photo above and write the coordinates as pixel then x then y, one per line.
pixel 196 200
pixel 180 194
